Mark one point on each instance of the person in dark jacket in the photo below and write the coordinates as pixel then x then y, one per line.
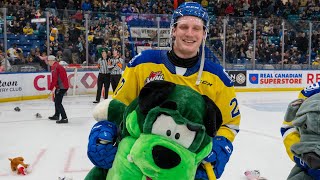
pixel 60 83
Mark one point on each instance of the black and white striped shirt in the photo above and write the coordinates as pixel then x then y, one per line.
pixel 115 65
pixel 103 66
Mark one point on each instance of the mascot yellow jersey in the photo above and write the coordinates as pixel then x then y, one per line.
pixel 153 65
pixel 289 133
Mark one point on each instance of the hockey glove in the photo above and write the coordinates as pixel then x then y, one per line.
pixel 101 150
pixel 201 174
pixel 314 173
pixel 221 151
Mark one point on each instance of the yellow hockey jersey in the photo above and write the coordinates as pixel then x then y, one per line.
pixel 289 133
pixel 153 65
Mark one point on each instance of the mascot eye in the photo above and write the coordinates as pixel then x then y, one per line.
pixel 168 133
pixel 165 126
pixel 177 136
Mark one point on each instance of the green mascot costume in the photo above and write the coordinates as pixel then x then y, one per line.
pixel 165 133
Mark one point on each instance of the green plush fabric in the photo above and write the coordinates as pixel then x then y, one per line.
pixel 162 138
pixel 116 111
pixel 148 150
pixel 134 160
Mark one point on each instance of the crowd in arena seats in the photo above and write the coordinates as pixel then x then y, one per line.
pixel 239 35
pixel 27 40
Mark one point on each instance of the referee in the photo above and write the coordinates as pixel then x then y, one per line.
pixel 115 66
pixel 103 77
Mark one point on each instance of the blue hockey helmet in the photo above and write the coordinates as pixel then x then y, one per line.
pixel 190 9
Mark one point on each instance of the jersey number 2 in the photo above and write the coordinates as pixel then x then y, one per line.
pixel 235 110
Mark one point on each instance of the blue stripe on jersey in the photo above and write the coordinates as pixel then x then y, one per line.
pixel 147 56
pixel 236 129
pixel 218 70
pixel 311 90
pixel 284 130
pixel 160 57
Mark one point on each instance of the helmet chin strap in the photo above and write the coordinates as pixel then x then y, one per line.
pixel 202 59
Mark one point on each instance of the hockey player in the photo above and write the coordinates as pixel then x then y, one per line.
pixel 291 136
pixel 184 64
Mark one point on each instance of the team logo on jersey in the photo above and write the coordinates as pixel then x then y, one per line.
pixel 154 76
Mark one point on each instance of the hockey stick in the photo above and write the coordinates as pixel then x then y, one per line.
pixel 209 170
pixel 51 94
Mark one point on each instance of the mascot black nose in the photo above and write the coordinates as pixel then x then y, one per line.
pixel 165 158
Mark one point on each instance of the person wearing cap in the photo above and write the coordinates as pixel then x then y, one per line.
pixel 184 64
pixel 60 82
pixel 103 77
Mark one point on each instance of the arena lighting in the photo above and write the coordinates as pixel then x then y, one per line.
pixel 38 20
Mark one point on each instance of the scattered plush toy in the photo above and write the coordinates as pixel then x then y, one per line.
pixel 17 165
pixel 305 116
pixel 166 133
pixel 17 109
pixel 38 115
pixel 64 178
pixel 253 175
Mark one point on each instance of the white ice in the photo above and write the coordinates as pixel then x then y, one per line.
pixel 59 150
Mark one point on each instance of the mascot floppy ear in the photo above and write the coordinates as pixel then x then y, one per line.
pixel 153 94
pixel 213 118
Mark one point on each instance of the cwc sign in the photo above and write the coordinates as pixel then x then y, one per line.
pixel 83 80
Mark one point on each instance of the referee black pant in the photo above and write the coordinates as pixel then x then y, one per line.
pixel 115 78
pixel 103 79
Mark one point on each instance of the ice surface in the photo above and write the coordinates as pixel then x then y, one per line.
pixel 58 150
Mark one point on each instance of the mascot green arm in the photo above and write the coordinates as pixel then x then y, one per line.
pixel 111 110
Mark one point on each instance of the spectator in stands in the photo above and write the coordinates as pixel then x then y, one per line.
pixel 78 16
pixel 67 54
pixel 16 28
pixel 3 63
pixel 43 59
pixel 31 58
pixel 74 34
pixel 316 62
pixel 81 49
pixel 66 41
pixel 127 58
pixel 86 6
pixel 275 57
pixel 242 57
pixel 249 53
pixel 96 5
pixel 12 53
pixel 27 30
pixel 230 9
pixel 301 43
pixel 70 5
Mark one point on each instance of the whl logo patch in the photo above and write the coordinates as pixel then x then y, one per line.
pixel 154 76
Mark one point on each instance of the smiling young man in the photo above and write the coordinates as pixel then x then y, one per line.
pixel 184 64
